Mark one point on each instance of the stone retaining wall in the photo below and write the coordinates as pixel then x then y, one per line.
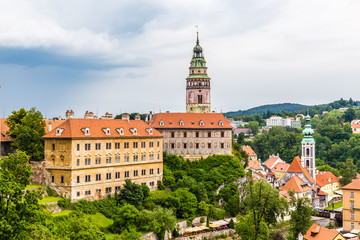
pixel 208 235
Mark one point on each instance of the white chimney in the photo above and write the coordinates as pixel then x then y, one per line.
pixel 50 126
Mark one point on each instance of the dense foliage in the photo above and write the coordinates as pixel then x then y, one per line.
pixel 289 107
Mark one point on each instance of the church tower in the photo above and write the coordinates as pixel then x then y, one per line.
pixel 308 148
pixel 198 83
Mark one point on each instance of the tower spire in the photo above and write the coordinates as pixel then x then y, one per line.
pixel 197 35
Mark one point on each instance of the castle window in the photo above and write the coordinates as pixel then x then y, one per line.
pixel 181 123
pixel 200 99
pixel 97 146
pixel 108 146
pixel 62 158
pixel 197 134
pixel 53 147
pixel 201 123
pixel 185 134
pixel 135 144
pixel 161 123
pixel 117 145
pixel 136 173
pixel 61 179
pixel 106 130
pixel 120 130
pixel 52 178
pixel 222 134
pixel 59 131
pixel 221 123
pixel 197 145
pixel 149 131
pixel 307 163
pixel 172 134
pixel 209 145
pixel 184 146
pixel 136 158
pixel 209 134
pixel 127 174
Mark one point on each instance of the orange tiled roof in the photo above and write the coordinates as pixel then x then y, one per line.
pixel 326 177
pixel 4 129
pixel 356 125
pixel 73 128
pixel 317 232
pixel 190 120
pixel 270 161
pixel 295 166
pixel 54 124
pixel 280 167
pixel 248 150
pixel 355 184
pixel 295 184
pixel 254 164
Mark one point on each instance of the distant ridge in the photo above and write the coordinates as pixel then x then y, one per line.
pixel 287 107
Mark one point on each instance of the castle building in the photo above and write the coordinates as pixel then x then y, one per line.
pixel 194 135
pixel 91 158
pixel 198 83
pixel 308 148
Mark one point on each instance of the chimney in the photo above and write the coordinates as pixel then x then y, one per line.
pixel 89 115
pixel 50 126
pixel 150 115
pixel 107 116
pixel 146 118
pixel 59 117
pixel 137 117
pixel 167 111
pixel 69 114
pixel 125 116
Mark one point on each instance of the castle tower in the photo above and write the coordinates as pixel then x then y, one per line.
pixel 198 83
pixel 308 148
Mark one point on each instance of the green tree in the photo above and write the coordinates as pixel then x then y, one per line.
pixel 19 209
pixel 241 138
pixel 254 126
pixel 187 203
pixel 27 129
pixel 347 171
pixel 131 193
pixel 300 217
pixel 125 219
pixel 250 227
pixel 349 115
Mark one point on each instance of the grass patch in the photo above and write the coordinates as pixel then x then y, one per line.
pixel 31 186
pixel 62 213
pixel 112 236
pixel 161 193
pixel 49 199
pixel 100 220
pixel 336 205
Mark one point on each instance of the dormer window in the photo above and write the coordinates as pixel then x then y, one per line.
pixel 181 123
pixel 106 130
pixel 161 123
pixel 133 131
pixel 120 131
pixel 221 123
pixel 201 123
pixel 59 131
pixel 149 131
pixel 86 131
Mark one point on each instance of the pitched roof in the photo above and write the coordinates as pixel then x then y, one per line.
pixel 254 164
pixel 295 184
pixel 317 232
pixel 271 161
pixel 190 120
pixel 295 166
pixel 74 128
pixel 325 177
pixel 53 122
pixel 248 150
pixel 4 128
pixel 280 167
pixel 355 185
pixel 356 125
pixel 242 130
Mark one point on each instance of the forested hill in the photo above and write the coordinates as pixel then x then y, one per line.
pixel 287 107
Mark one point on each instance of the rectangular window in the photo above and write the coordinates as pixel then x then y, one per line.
pixel 53 147
pixel 143 183
pixel 108 160
pixel 209 134
pixel 158 171
pixel 152 184
pixel 185 134
pixel 77 147
pixel 197 134
pixel 127 174
pixel 172 134
pixel 53 178
pixel 87 192
pixel 126 145
pixel 77 162
pixel 222 134
pixel 97 146
pixel 108 146
pixel 61 179
pixel 151 156
pixel 87 147
pixel 87 178
pixel 117 188
pixel 117 159
pixel 151 144
pixel 117 175
pixel 352 215
pixel 126 158
pixel 108 176
pixel 135 145
pixel 117 145
pixel 197 145
pixel 352 226
pixel 77 179
pixel 352 204
pixel 98 160
pixel 172 145
pixel 351 194
pixel 98 177
pixel 143 172
pixel 108 190
pixel 184 145
pixel 78 194
pixel 143 157
pixel 136 158
pixel 221 145
pixel 158 156
pixel 87 161
pixel 136 173
pixel 151 171
pixel 158 144
pixel 209 145
pixel 143 144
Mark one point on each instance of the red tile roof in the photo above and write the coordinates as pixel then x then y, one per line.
pixel 73 128
pixel 280 167
pixel 356 125
pixel 248 150
pixel 54 124
pixel 254 164
pixel 295 166
pixel 190 120
pixel 354 185
pixel 317 232
pixel 271 161
pixel 4 129
pixel 326 177
pixel 295 184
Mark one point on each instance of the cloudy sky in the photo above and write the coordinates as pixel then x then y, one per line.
pixel 133 56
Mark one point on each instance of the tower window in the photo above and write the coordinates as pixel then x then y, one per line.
pixel 200 99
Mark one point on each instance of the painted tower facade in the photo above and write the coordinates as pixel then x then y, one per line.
pixel 308 148
pixel 198 83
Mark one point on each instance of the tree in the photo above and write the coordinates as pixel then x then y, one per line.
pixel 347 171
pixel 27 129
pixel 300 217
pixel 254 127
pixel 349 115
pixel 187 204
pixel 241 138
pixel 19 209
pixel 131 193
pixel 125 219
pixel 250 227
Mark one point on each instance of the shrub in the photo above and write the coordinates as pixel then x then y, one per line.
pixel 50 192
pixel 64 203
pixel 85 206
pixel 202 220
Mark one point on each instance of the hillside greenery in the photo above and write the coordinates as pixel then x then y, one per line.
pixel 287 107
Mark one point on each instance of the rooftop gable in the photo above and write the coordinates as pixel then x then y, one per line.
pixel 295 184
pixel 317 232
pixel 295 166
